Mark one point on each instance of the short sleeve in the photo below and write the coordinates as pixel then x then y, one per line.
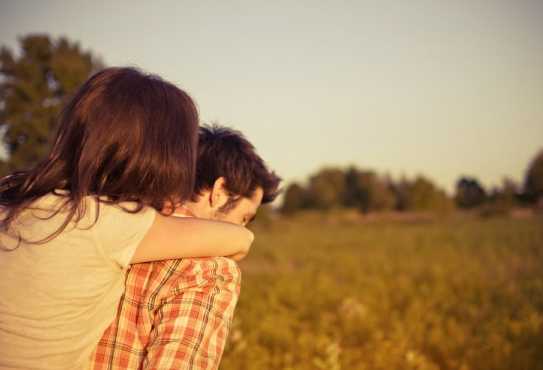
pixel 120 232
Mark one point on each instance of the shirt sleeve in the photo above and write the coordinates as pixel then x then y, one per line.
pixel 192 325
pixel 119 232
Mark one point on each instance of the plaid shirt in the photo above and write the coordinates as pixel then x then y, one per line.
pixel 174 314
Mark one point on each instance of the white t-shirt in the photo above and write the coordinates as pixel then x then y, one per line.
pixel 57 298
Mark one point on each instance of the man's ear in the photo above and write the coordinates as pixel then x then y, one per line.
pixel 218 195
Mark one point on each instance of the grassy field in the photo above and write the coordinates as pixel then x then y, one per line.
pixel 331 293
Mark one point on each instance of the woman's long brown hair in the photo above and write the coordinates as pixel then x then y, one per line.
pixel 125 136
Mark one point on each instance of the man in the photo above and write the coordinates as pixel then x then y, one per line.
pixel 176 314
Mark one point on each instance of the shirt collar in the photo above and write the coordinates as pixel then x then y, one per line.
pixel 183 212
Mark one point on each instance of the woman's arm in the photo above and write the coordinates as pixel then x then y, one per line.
pixel 175 238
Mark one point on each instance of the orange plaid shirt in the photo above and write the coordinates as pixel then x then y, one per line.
pixel 174 314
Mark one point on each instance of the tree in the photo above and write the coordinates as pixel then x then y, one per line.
pixel 327 189
pixel 422 195
pixel 33 88
pixel 294 199
pixel 469 193
pixel 533 184
pixel 368 192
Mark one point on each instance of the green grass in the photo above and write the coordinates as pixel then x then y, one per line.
pixel 327 293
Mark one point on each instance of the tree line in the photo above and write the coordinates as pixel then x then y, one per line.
pixel 369 192
pixel 35 83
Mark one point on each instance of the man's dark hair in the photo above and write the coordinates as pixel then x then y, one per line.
pixel 224 152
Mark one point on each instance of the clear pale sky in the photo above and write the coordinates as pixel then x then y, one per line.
pixel 444 88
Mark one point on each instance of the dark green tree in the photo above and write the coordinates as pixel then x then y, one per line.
pixel 469 193
pixel 533 183
pixel 294 199
pixel 422 195
pixel 368 192
pixel 327 189
pixel 351 188
pixel 33 88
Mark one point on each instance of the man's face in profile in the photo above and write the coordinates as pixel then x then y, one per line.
pixel 244 210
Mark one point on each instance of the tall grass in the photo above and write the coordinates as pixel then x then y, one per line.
pixel 428 294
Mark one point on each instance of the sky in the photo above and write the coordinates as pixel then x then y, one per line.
pixel 442 89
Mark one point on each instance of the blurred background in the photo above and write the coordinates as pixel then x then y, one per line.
pixel 409 135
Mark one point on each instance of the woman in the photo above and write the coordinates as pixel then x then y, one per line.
pixel 124 145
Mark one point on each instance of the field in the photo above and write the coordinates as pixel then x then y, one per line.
pixel 326 292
